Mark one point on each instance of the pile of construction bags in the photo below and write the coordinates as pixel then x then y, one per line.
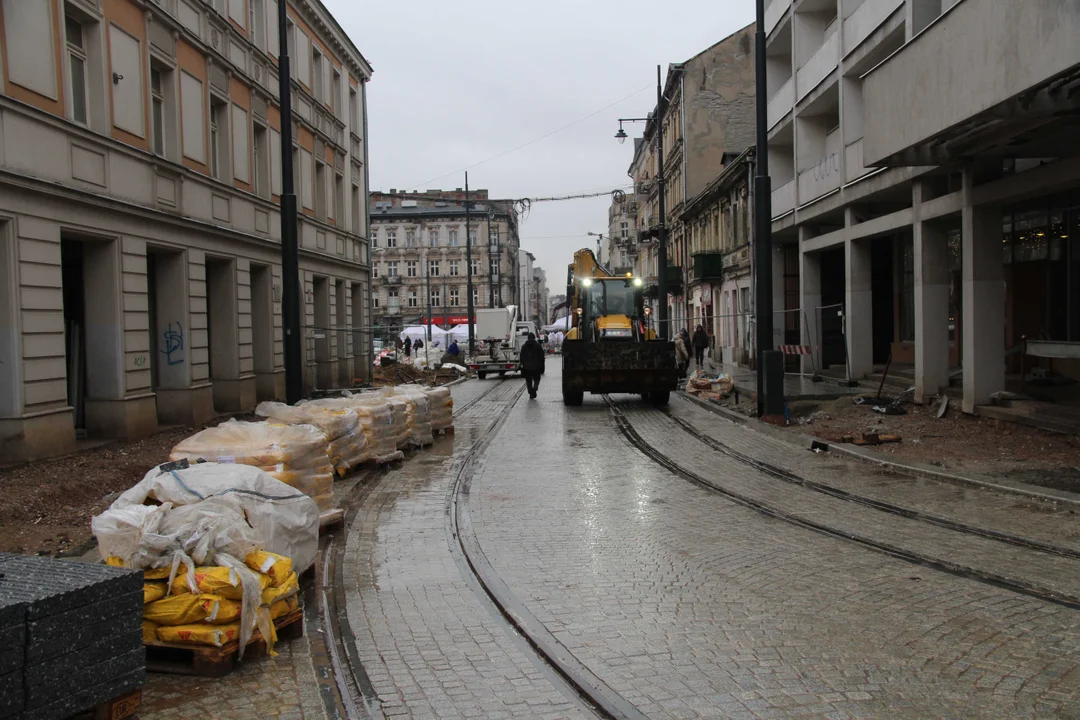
pixel 297 455
pixel 347 443
pixel 220 546
pixel 377 422
pixel 441 405
pixel 710 387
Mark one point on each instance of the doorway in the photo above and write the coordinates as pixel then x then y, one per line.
pixel 883 298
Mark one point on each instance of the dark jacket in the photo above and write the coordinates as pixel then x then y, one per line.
pixel 532 357
pixel 701 339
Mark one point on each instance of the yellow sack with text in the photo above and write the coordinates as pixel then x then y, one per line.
pixel 215 581
pixel 199 634
pixel 149 632
pixel 152 591
pixel 287 589
pixel 284 607
pixel 188 608
pixel 148 573
pixel 277 567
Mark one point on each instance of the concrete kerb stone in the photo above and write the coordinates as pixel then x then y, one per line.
pixel 876 458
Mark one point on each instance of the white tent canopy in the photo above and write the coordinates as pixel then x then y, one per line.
pixel 460 333
pixel 414 332
pixel 562 325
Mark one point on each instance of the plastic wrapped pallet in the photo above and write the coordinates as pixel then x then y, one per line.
pixel 347 444
pixel 232 529
pixel 441 405
pixel 376 421
pixel 297 455
pixel 402 416
pixel 418 414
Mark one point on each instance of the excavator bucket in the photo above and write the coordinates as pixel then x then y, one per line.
pixel 644 368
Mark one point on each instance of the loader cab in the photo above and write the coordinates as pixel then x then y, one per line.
pixel 611 309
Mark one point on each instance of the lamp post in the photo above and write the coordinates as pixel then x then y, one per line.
pixel 661 229
pixel 468 269
pixel 770 376
pixel 290 252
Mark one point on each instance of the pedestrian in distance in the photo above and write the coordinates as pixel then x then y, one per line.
pixel 532 364
pixel 453 349
pixel 701 344
pixel 682 352
pixel 408 347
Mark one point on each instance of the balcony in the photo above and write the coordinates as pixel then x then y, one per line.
pixel 673 279
pixel 941 99
pixel 818 67
pixel 823 178
pixel 781 103
pixel 390 280
pixel 783 199
pixel 391 310
pixel 853 162
pixel 707 266
pixel 775 10
pixel 865 20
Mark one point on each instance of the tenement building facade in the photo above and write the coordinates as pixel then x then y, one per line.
pixel 924 169
pixel 420 266
pixel 140 175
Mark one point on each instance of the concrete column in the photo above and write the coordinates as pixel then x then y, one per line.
pixel 931 305
pixel 343 351
pixel 984 300
pixel 232 391
pixel 858 308
pixel 810 300
pixel 779 316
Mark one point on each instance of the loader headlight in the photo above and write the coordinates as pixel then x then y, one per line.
pixel 637 282
pixel 587 282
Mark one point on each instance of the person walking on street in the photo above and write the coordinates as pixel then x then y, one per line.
pixel 682 352
pixel 408 347
pixel 701 343
pixel 532 364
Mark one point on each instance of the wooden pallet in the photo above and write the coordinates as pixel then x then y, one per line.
pixel 119 707
pixel 210 661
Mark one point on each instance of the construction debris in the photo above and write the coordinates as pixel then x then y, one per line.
pixel 870 438
pixel 943 407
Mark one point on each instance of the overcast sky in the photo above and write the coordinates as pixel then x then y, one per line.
pixel 457 83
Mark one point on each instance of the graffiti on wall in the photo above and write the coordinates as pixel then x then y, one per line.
pixel 174 344
pixel 829 165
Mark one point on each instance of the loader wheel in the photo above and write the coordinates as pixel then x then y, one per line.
pixel 572 398
pixel 481 375
pixel 659 398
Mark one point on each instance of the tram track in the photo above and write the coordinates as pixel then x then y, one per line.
pixel 566 672
pixel 941 564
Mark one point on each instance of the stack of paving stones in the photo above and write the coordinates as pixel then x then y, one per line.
pixel 70 636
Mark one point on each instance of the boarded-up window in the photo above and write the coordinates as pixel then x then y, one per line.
pixel 236 12
pixel 275 162
pixel 188 16
pixel 241 149
pixel 193 109
pixel 129 112
pixel 28 34
pixel 303 58
pixel 307 178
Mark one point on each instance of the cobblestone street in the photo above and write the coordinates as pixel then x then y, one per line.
pixel 619 560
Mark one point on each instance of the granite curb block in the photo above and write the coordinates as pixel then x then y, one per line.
pixel 870 456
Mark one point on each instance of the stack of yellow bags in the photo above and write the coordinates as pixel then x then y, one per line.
pixel 347 444
pixel 399 410
pixel 210 614
pixel 297 455
pixel 376 421
pixel 417 416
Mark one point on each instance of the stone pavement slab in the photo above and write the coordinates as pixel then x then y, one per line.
pixel 692 606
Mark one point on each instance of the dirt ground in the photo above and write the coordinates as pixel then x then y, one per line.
pixel 957 441
pixel 48 504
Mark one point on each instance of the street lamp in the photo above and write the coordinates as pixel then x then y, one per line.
pixel 661 230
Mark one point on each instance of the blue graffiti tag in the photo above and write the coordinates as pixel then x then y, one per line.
pixel 174 344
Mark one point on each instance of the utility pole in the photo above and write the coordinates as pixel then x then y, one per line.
pixel 770 375
pixel 661 249
pixel 429 303
pixel 290 253
pixel 468 269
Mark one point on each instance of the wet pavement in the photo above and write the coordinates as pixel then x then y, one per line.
pixel 680 601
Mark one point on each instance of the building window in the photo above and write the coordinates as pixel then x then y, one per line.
pixel 433 268
pixel 257 24
pixel 157 105
pixel 624 230
pixel 454 295
pixel 375 302
pixel 219 125
pixel 451 236
pixel 472 237
pixel 475 266
pixel 77 61
pixel 413 300
pixel 391 238
pixel 410 238
pixel 453 268
pixel 476 297
pixel 339 108
pixel 261 153
pixel 374 270
pixel 410 268
pixel 493 236
pixel 354 112
pixel 321 196
pixel 494 266
pixel 436 297
pixel 317 70
pixel 433 237
pixel 392 298
pixel 391 268
pixel 356 209
pixel 339 199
